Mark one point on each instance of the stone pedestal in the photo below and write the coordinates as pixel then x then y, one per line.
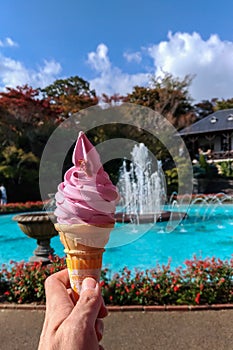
pixel 39 226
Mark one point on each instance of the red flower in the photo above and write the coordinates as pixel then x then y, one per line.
pixel 176 288
pixel 201 286
pixel 7 293
pixel 126 289
pixel 197 299
pixel 102 283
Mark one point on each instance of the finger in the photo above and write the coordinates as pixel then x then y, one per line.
pixel 103 310
pixel 71 295
pixel 57 298
pixel 99 328
pixel 89 303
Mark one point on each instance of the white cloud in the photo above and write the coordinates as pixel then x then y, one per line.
pixel 13 73
pixel 111 79
pixel 99 60
pixel 8 42
pixel 117 82
pixel 46 74
pixel 211 61
pixel 133 57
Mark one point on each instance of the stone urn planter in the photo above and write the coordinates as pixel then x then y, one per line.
pixel 38 225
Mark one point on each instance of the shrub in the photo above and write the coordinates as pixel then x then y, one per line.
pixel 21 207
pixel 207 281
pixel 24 282
pixel 225 168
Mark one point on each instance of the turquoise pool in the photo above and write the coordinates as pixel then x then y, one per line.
pixel 208 231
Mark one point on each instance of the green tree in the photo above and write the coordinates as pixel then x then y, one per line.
pixel 70 95
pixel 20 171
pixel 14 162
pixel 223 104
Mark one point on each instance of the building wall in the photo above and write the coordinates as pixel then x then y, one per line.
pixel 213 144
pixel 206 144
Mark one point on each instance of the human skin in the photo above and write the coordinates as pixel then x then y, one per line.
pixel 68 325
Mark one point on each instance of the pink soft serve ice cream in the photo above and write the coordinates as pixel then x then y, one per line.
pixel 87 195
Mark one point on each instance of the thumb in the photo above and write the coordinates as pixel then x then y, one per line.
pixel 89 303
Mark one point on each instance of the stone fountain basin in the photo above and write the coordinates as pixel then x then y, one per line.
pixel 149 218
pixel 36 225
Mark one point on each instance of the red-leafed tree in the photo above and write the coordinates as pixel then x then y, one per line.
pixel 26 120
pixel 25 105
pixel 113 99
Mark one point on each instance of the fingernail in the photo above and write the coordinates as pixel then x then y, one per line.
pixel 88 283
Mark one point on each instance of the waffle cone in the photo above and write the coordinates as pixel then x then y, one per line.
pixel 84 247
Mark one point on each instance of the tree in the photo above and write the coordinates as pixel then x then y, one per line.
pixel 113 100
pixel 14 161
pixel 25 118
pixel 19 170
pixel 168 96
pixel 223 104
pixel 26 122
pixel 26 106
pixel 70 95
pixel 204 108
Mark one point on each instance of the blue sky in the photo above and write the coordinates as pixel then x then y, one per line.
pixel 116 45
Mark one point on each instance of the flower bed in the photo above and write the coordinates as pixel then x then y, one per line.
pixel 200 282
pixel 24 282
pixel 21 207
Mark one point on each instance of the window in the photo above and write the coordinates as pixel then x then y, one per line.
pixel 225 142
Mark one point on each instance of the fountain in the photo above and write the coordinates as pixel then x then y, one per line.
pixel 142 188
pixel 38 225
pixel 204 206
pixel 206 232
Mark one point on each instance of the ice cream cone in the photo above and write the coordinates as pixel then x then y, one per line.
pixel 85 208
pixel 84 246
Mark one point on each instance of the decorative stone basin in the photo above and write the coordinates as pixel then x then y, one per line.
pixel 149 218
pixel 38 225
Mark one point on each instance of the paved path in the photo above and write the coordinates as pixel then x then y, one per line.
pixel 195 330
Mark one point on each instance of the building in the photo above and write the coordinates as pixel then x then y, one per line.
pixel 213 135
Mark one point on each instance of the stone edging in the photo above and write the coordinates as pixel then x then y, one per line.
pixel 130 308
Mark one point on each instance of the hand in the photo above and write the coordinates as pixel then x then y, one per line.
pixel 69 326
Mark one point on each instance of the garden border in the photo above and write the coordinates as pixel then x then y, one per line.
pixel 157 308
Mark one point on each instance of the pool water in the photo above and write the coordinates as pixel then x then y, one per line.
pixel 207 232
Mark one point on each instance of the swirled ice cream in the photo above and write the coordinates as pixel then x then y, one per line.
pixel 87 195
